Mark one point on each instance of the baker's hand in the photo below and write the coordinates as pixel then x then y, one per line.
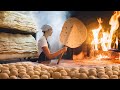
pixel 64 49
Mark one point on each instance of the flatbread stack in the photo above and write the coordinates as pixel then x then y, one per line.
pixel 17 46
pixel 73 33
pixel 15 20
pixel 14 44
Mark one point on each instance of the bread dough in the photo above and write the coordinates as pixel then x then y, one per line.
pixel 115 73
pixel 108 69
pixel 71 74
pixel 35 77
pixel 36 73
pixel 77 75
pixel 14 69
pixel 84 71
pixel 59 68
pixel 4 76
pixel 12 66
pixel 91 77
pixel 30 73
pixel 104 76
pixel 39 70
pixel 67 70
pixel 92 72
pixel 21 74
pixel 74 68
pixel 44 77
pixel 25 77
pixel 99 74
pixel 109 73
pixel 14 72
pixel 83 76
pixel 6 71
pixel 4 68
pixel 56 75
pixel 65 77
pixel 21 70
pixel 63 72
pixel 6 65
pixel 13 77
pixel 100 70
pixel 115 67
pixel 113 77
pixel 43 72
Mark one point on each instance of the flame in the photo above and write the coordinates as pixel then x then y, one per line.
pixel 95 34
pixel 99 57
pixel 116 42
pixel 114 22
pixel 106 40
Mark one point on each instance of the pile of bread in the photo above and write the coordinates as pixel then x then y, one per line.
pixel 18 21
pixel 16 36
pixel 28 70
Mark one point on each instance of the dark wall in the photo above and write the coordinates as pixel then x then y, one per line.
pixel 90 16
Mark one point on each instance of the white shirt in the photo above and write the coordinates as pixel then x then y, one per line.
pixel 41 43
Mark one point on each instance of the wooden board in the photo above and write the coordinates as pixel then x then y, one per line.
pixel 73 33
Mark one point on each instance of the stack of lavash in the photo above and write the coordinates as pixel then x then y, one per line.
pixel 17 45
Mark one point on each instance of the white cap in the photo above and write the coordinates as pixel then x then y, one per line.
pixel 46 27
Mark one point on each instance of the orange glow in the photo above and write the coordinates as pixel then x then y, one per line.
pixel 106 40
pixel 99 57
pixel 95 34
pixel 116 42
pixel 114 22
pixel 102 39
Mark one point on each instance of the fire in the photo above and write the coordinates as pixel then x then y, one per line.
pixel 95 34
pixel 103 39
pixel 99 57
pixel 116 42
pixel 114 22
pixel 106 40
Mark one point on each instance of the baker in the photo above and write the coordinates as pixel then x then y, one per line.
pixel 43 45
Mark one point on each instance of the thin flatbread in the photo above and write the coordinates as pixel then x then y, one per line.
pixel 73 33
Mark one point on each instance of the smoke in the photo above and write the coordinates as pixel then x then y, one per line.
pixel 55 19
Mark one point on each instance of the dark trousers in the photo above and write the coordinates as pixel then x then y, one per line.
pixel 42 57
